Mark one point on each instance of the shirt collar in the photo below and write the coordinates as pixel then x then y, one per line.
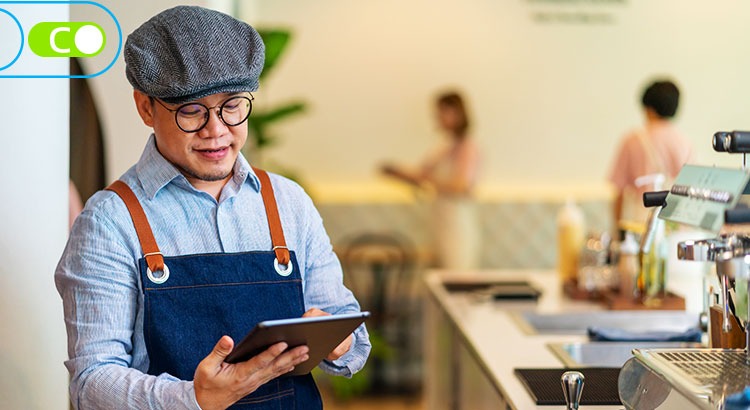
pixel 243 173
pixel 155 172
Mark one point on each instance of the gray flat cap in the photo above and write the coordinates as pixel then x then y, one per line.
pixel 187 52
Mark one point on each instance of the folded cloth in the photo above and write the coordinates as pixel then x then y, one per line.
pixel 602 334
pixel 738 401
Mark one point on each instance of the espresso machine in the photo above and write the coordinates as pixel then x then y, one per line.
pixel 702 378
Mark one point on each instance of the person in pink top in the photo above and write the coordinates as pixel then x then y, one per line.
pixel 658 148
pixel 451 173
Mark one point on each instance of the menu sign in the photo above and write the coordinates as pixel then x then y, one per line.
pixel 700 195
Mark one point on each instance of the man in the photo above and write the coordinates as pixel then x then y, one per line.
pixel 658 149
pixel 193 245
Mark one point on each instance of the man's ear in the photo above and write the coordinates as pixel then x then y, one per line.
pixel 145 107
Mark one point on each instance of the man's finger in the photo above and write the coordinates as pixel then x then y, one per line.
pixel 315 312
pixel 272 362
pixel 263 359
pixel 341 349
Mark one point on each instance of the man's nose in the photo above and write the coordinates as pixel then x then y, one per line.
pixel 214 127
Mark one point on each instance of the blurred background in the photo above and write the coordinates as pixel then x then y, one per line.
pixel 551 86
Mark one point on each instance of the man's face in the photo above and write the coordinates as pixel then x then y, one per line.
pixel 206 155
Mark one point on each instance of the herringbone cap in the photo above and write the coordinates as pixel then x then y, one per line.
pixel 188 52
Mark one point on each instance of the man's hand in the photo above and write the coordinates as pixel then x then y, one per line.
pixel 219 384
pixel 343 347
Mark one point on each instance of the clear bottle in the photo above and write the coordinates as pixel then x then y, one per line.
pixel 627 265
pixel 651 282
pixel 570 238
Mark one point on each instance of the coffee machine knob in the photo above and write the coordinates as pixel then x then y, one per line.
pixel 572 385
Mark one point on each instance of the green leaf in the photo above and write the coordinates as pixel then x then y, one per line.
pixel 275 41
pixel 260 121
pixel 284 111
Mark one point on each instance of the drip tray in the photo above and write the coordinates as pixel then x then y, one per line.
pixel 713 372
pixel 599 387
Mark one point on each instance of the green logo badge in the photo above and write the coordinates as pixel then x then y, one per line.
pixel 66 39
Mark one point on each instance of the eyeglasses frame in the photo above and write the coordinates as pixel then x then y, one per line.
pixel 208 110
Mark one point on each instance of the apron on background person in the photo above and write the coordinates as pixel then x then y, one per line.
pixel 454 223
pixel 633 209
pixel 191 301
pixel 456 233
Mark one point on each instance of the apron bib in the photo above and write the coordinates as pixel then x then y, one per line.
pixel 190 301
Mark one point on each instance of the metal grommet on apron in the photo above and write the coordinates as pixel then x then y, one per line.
pixel 160 278
pixel 286 270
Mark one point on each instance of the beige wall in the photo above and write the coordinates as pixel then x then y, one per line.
pixel 550 99
pixel 552 84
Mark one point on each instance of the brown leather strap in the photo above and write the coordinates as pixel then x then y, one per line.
pixel 272 213
pixel 154 258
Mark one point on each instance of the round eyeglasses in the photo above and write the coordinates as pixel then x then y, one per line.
pixel 192 117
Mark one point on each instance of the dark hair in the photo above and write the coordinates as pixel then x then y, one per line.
pixel 662 97
pixel 453 100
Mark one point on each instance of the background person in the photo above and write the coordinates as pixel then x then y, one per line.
pixel 194 247
pixel 656 148
pixel 451 172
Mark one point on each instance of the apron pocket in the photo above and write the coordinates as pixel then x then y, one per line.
pixel 276 394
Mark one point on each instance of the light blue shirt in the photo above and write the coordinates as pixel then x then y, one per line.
pixel 98 278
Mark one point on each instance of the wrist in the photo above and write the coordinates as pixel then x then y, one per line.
pixel 204 401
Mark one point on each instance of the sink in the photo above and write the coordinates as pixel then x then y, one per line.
pixel 575 323
pixel 605 354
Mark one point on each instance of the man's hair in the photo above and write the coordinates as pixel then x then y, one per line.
pixel 663 97
pixel 453 100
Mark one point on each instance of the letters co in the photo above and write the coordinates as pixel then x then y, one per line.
pixel 67 39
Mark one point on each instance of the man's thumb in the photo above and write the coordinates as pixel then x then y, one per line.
pixel 221 350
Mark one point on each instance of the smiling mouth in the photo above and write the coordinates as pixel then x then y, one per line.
pixel 212 150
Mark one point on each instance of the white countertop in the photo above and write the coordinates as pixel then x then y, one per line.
pixel 495 339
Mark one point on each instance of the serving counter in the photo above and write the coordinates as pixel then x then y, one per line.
pixel 473 342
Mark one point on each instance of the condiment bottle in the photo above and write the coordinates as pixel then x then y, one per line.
pixel 570 237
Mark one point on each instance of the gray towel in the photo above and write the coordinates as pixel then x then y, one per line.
pixel 602 334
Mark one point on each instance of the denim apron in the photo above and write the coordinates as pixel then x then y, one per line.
pixel 190 301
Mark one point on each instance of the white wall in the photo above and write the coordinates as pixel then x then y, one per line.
pixel 550 99
pixel 33 229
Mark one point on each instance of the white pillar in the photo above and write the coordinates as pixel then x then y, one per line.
pixel 34 147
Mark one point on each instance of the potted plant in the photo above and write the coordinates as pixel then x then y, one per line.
pixel 262 119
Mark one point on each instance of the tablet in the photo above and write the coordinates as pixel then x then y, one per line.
pixel 321 334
